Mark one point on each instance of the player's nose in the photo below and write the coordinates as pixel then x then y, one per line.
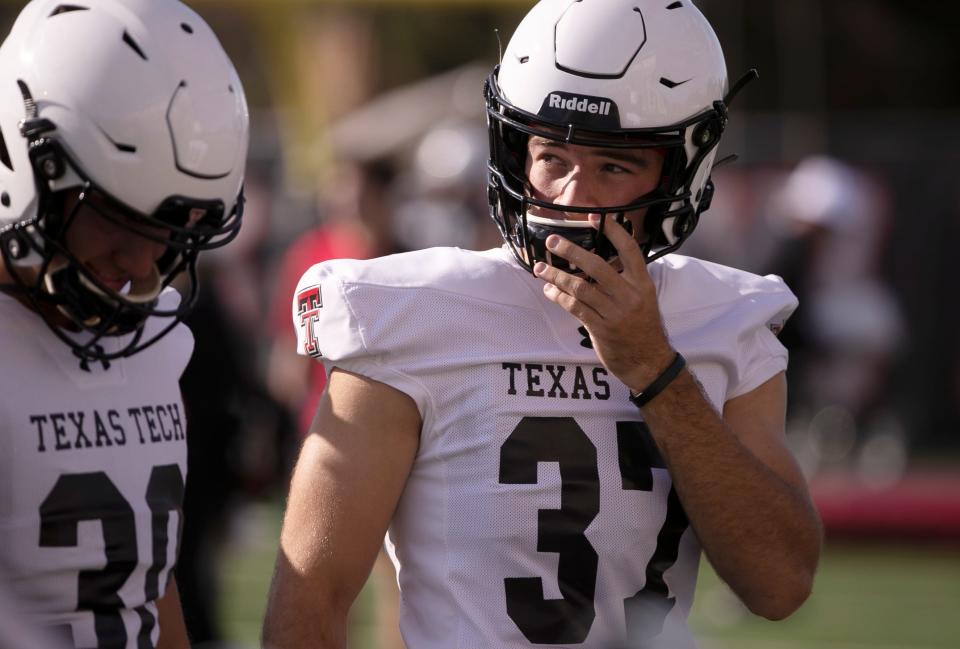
pixel 577 191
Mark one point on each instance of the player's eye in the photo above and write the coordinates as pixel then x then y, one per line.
pixel 616 168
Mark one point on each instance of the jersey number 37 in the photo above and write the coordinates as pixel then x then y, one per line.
pixel 562 440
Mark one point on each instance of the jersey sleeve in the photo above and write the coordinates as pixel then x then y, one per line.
pixel 764 310
pixel 337 324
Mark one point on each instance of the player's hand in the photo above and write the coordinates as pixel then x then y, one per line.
pixel 618 309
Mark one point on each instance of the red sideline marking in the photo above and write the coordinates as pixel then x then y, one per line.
pixel 919 506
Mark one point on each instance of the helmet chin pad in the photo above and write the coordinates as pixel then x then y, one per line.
pixel 579 232
pixel 83 300
pixel 139 291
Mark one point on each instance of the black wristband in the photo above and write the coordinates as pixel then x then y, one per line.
pixel 644 397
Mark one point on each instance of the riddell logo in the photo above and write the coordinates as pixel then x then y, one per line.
pixel 590 112
pixel 579 104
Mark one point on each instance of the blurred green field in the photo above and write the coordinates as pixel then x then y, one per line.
pixel 865 597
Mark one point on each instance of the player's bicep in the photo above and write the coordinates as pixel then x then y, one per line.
pixel 348 479
pixel 758 419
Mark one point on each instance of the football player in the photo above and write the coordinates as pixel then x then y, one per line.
pixel 552 432
pixel 123 137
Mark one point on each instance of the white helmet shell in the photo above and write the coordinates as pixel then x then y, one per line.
pixel 145 102
pixel 660 65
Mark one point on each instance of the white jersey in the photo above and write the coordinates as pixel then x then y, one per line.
pixel 92 470
pixel 538 510
pixel 16 630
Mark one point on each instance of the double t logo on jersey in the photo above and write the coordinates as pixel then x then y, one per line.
pixel 309 303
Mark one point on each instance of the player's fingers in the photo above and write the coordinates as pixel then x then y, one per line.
pixel 591 294
pixel 591 264
pixel 578 308
pixel 629 251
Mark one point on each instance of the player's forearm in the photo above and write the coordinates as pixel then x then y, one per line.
pixel 761 533
pixel 301 633
pixel 309 597
pixel 295 620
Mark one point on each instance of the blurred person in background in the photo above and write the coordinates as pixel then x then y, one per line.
pixel 440 197
pixel 549 432
pixel 737 231
pixel 236 453
pixel 123 138
pixel 833 219
pixel 356 224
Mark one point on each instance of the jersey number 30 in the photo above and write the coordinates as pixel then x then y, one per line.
pixel 80 497
pixel 568 620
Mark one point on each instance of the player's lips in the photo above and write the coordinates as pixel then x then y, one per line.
pixel 113 282
pixel 114 285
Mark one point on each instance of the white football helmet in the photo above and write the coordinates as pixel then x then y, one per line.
pixel 135 104
pixel 608 73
